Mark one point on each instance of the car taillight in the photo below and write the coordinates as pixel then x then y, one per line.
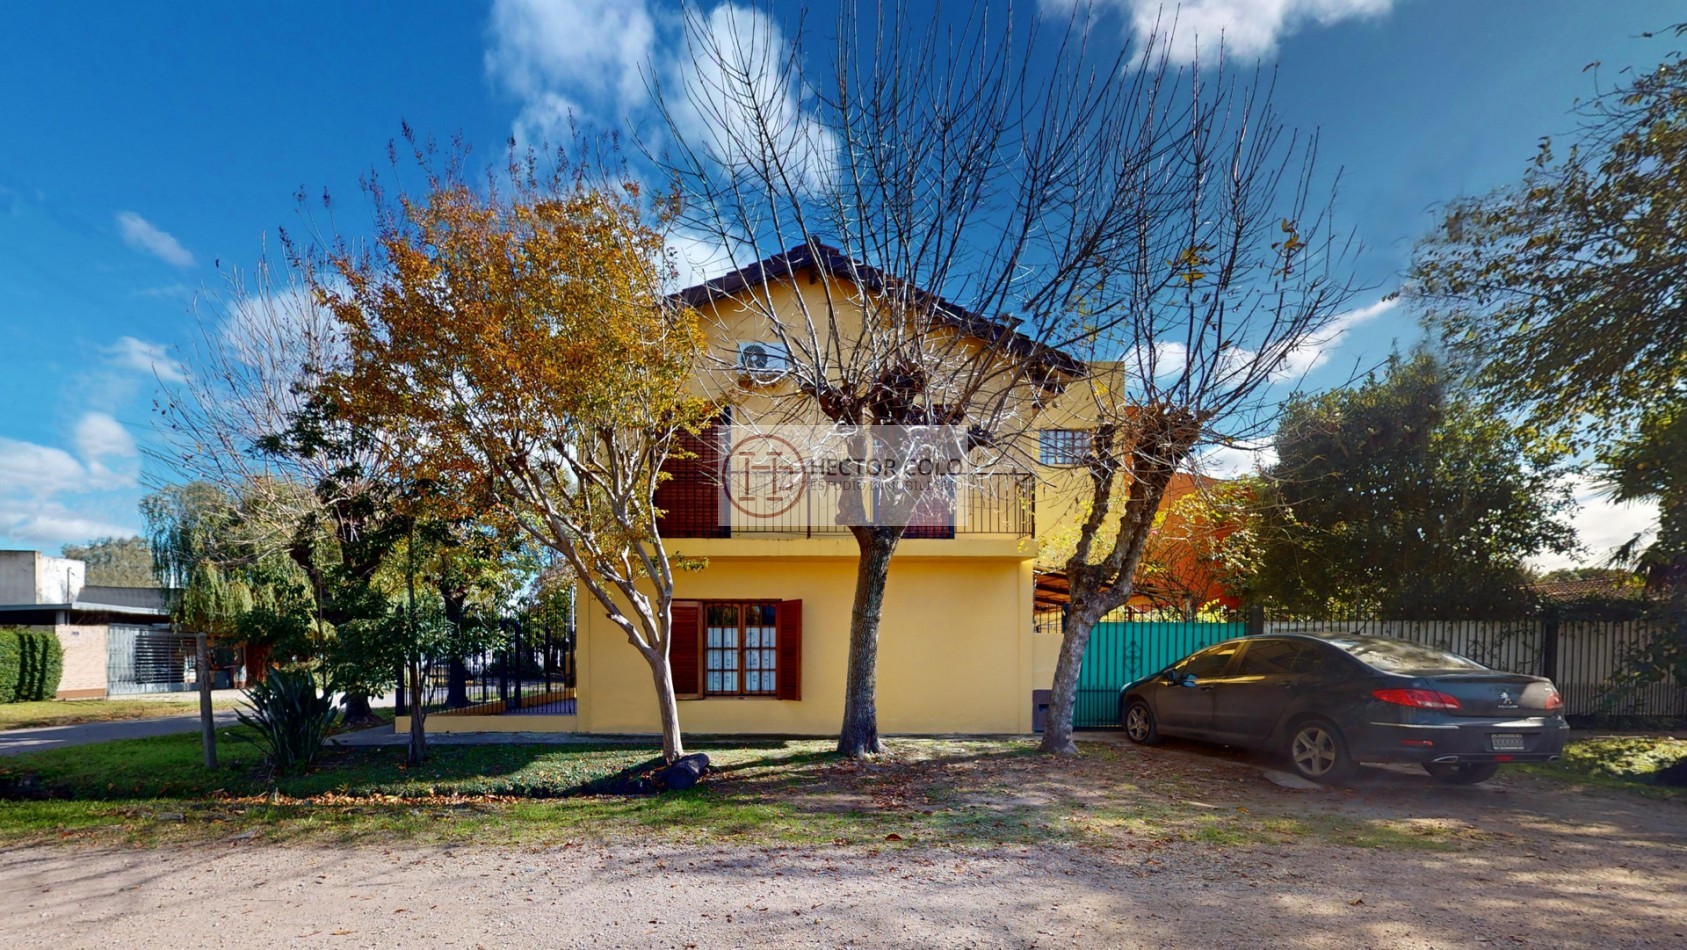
pixel 1417 698
pixel 1554 702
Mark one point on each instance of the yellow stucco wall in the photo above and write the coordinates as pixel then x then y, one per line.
pixel 955 652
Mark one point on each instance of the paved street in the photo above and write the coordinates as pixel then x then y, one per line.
pixel 17 741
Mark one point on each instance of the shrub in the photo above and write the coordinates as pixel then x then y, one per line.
pixel 11 659
pixel 40 665
pixel 31 665
pixel 290 717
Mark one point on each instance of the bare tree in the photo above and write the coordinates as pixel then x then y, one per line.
pixel 1235 276
pixel 250 416
pixel 974 204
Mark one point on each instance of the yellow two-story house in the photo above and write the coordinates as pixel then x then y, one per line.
pixel 762 628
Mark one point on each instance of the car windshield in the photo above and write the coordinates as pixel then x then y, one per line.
pixel 1399 656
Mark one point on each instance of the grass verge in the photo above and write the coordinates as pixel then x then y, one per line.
pixel 1618 763
pixel 72 712
pixel 952 793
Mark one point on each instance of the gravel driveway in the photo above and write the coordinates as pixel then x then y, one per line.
pixel 1542 867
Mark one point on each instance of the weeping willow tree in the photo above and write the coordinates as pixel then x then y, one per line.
pixel 222 579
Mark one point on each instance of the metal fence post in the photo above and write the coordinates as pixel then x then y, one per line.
pixel 1549 645
pixel 1256 620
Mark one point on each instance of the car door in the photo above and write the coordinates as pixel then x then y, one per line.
pixel 1251 697
pixel 1188 709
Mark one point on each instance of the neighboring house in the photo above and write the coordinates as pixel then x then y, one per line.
pixel 116 640
pixel 761 633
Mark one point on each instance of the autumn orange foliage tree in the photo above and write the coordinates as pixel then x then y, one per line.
pixel 517 337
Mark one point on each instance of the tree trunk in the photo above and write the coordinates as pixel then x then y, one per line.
pixel 455 600
pixel 357 710
pixel 859 735
pixel 1063 698
pixel 456 683
pixel 673 744
pixel 1097 589
pixel 418 718
pixel 207 723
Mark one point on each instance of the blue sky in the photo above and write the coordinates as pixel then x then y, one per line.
pixel 145 144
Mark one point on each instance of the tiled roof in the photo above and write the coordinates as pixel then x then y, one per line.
pixel 1582 588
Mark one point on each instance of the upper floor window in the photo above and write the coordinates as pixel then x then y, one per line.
pixel 1063 446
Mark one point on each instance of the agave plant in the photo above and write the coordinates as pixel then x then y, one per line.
pixel 291 719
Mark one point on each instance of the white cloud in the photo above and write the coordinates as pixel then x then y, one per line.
pixel 99 436
pixel 49 496
pixel 1317 349
pixel 697 258
pixel 143 235
pixel 50 525
pixel 1601 524
pixel 149 358
pixel 722 106
pixel 597 59
pixel 1240 458
pixel 30 469
pixel 557 55
pixel 1166 358
pixel 1248 29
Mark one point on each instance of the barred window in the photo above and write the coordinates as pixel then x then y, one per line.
pixel 1063 446
pixel 741 649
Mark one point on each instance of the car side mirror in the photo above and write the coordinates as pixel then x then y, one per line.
pixel 1188 680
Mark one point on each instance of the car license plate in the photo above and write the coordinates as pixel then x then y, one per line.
pixel 1507 742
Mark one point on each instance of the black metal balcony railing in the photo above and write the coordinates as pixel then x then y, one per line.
pixel 695 505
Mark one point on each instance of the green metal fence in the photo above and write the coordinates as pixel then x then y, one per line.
pixel 1122 651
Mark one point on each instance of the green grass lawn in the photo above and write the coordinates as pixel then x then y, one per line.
pixel 1618 762
pixel 70 712
pixel 961 793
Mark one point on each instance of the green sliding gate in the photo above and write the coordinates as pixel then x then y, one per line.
pixel 1122 651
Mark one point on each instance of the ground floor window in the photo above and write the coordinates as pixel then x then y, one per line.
pixel 741 649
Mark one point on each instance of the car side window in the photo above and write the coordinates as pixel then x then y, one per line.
pixel 1314 659
pixel 1271 658
pixel 1210 662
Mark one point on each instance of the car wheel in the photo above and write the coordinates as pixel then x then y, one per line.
pixel 1318 752
pixel 1139 723
pixel 1461 773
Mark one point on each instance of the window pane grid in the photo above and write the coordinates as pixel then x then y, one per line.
pixel 741 650
pixel 1062 446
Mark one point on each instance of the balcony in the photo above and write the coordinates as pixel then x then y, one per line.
pixel 703 500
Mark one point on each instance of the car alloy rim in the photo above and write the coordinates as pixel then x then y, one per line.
pixel 1136 723
pixel 1314 751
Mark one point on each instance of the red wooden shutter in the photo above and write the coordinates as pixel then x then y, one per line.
pixel 790 649
pixel 685 658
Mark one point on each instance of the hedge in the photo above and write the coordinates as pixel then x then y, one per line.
pixel 11 654
pixel 31 665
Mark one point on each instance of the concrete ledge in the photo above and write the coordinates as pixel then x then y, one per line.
pixel 438 723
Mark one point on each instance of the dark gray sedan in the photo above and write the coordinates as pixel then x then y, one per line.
pixel 1329 702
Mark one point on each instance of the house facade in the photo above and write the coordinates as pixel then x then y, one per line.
pixel 762 609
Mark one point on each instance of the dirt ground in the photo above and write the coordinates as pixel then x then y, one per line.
pixel 1532 863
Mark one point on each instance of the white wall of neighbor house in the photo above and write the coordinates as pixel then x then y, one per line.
pixel 30 577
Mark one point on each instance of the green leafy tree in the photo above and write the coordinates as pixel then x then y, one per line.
pixel 1562 296
pixel 517 344
pixel 116 562
pixel 1402 498
pixel 1652 465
